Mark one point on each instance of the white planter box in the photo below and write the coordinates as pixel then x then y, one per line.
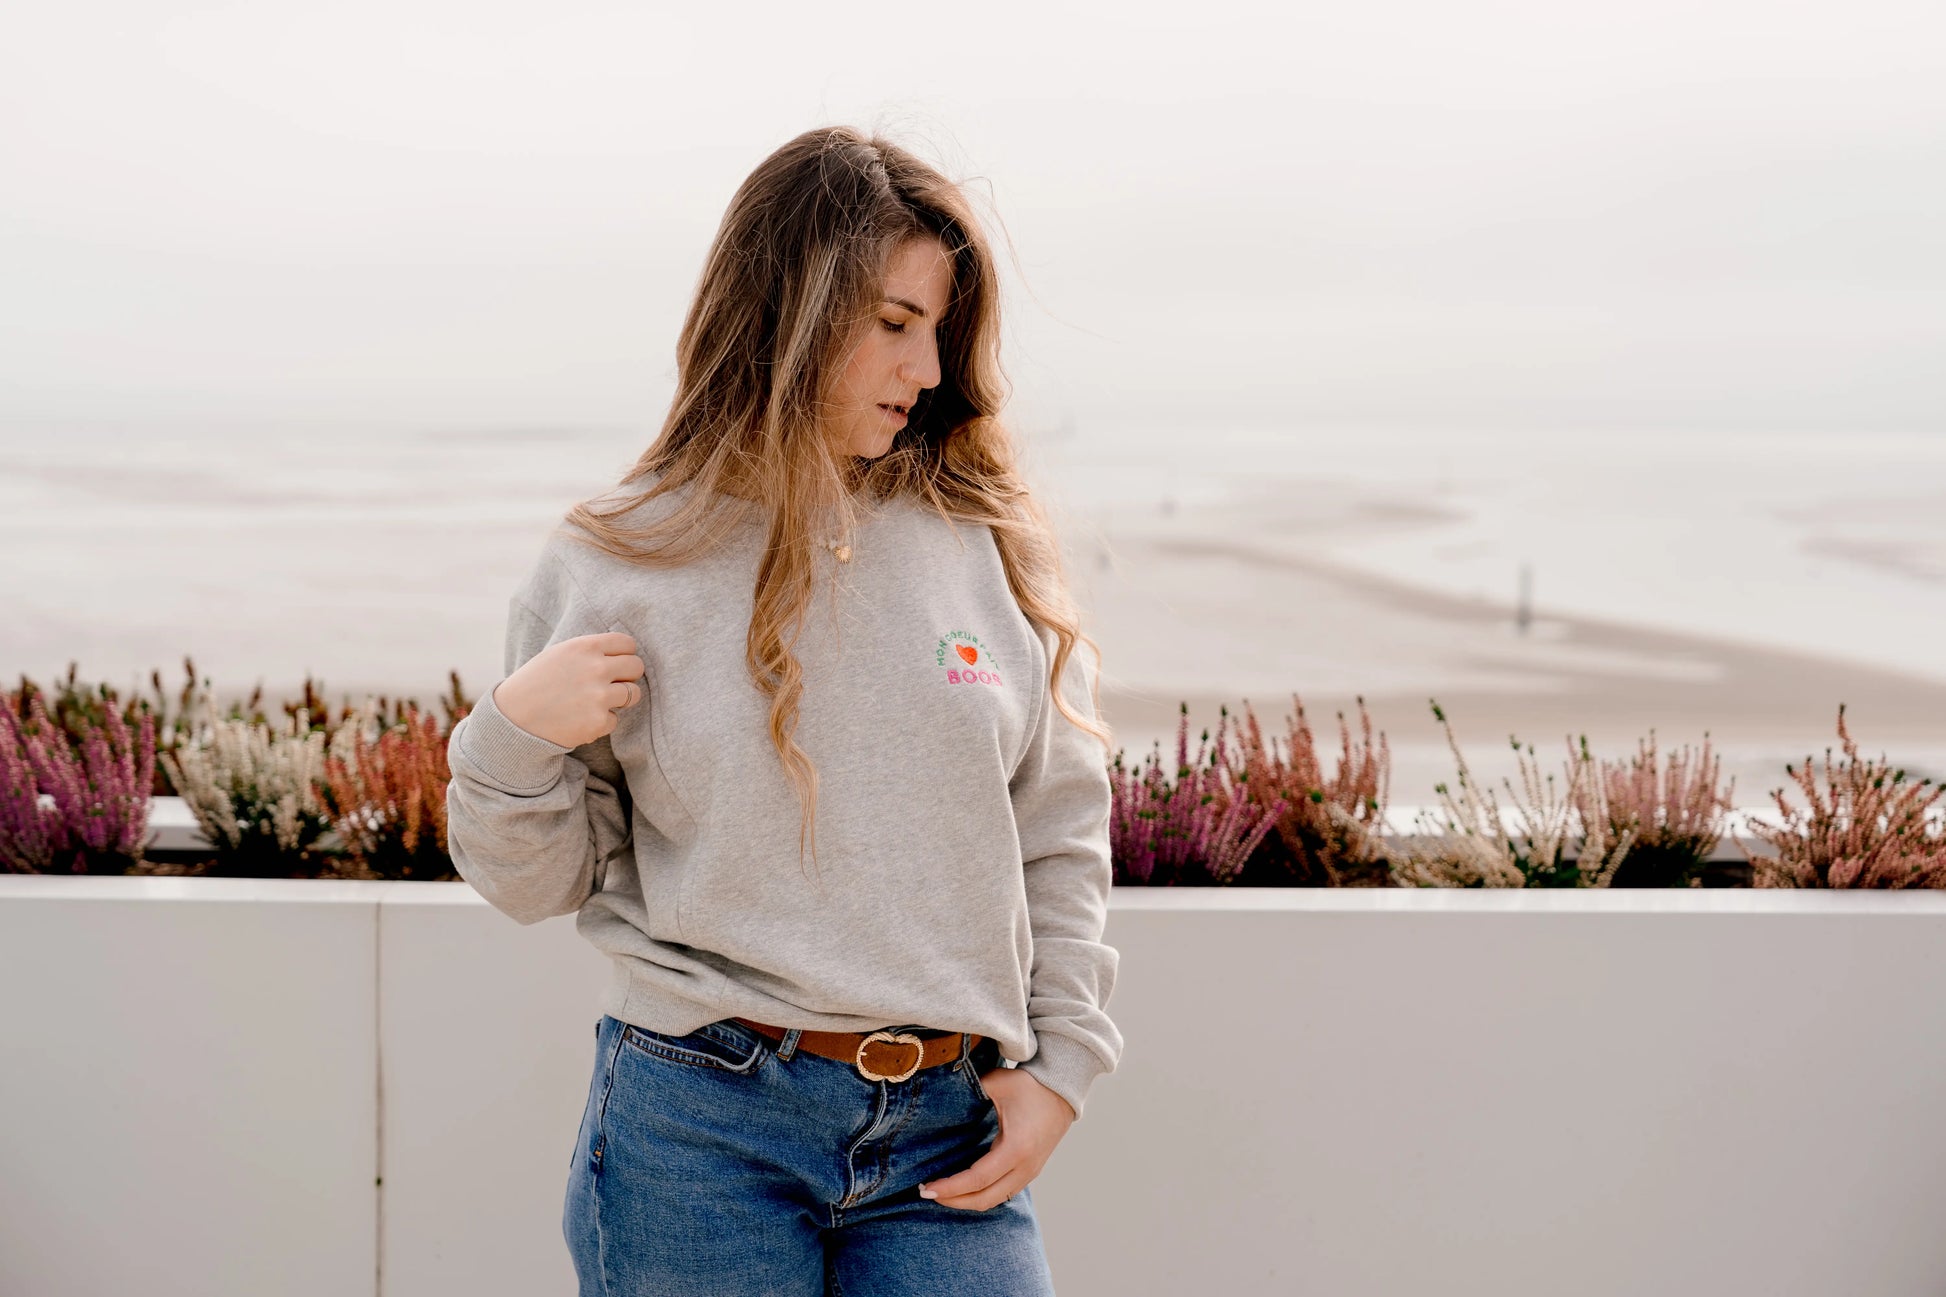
pixel 1360 1093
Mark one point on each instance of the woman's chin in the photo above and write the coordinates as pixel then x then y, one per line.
pixel 872 446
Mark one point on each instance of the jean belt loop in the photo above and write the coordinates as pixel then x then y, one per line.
pixel 788 1045
pixel 965 1043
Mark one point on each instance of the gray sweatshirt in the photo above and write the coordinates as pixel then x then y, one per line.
pixel 963 873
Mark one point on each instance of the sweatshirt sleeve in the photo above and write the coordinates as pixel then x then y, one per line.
pixel 532 824
pixel 1061 803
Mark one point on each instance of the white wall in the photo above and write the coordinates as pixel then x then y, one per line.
pixel 1336 1092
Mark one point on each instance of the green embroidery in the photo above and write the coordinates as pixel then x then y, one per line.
pixel 946 646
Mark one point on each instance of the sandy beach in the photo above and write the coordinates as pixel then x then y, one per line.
pixel 1212 597
pixel 1212 606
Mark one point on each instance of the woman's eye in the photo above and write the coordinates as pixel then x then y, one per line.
pixel 893 325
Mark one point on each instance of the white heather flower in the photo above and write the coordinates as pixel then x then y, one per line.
pixel 1475 845
pixel 236 775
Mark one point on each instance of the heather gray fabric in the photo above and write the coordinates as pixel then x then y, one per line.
pixel 963 873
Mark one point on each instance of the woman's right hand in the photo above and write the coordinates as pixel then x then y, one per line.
pixel 569 692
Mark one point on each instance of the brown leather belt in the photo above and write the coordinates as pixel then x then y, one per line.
pixel 878 1055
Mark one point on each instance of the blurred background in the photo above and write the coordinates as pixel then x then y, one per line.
pixel 1578 366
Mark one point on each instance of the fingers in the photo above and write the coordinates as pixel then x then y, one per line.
pixel 981 1185
pixel 622 667
pixel 615 651
pixel 986 1199
pixel 627 666
pixel 623 693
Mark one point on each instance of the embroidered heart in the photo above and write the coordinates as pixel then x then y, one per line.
pixel 968 654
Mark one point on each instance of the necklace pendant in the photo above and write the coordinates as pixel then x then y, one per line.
pixel 843 552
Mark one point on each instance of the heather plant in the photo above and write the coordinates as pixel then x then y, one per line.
pixel 93 771
pixel 176 719
pixel 387 712
pixel 1331 828
pixel 177 724
pixel 253 791
pixel 384 788
pixel 309 712
pixel 1195 829
pixel 79 710
pixel 1676 815
pixel 1473 846
pixel 1867 827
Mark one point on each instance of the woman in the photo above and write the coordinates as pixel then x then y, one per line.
pixel 821 610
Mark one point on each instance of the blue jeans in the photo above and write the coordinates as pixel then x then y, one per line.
pixel 725 1164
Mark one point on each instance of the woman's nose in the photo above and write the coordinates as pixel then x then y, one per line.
pixel 921 366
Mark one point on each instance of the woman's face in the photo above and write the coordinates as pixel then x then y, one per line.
pixel 895 353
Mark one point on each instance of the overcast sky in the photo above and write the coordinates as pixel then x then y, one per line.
pixel 1531 214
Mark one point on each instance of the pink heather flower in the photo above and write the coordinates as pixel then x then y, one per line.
pixel 98 786
pixel 1163 832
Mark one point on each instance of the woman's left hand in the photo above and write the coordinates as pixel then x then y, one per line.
pixel 1032 1120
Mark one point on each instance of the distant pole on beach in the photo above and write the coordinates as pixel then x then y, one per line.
pixel 1526 614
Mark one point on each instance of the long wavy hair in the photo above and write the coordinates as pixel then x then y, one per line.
pixel 796 266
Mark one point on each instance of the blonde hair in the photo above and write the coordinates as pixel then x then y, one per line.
pixel 797 261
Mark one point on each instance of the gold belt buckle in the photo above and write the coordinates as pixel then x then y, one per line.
pixel 901 1037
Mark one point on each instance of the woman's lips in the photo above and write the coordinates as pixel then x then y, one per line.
pixel 893 414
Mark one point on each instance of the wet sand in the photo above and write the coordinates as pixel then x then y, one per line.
pixel 1223 611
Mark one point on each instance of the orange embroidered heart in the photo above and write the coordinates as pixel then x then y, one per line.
pixel 968 654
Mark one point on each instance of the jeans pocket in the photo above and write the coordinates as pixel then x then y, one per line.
pixel 969 1068
pixel 727 1046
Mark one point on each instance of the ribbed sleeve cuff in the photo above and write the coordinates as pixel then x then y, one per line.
pixel 507 755
pixel 1065 1066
